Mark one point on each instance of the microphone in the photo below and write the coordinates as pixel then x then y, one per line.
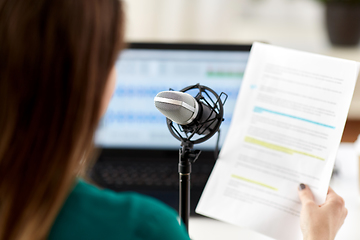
pixel 184 109
pixel 180 107
pixel 201 115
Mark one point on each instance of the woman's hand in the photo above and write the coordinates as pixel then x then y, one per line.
pixel 321 222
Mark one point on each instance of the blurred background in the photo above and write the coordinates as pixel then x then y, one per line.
pixel 299 24
pixel 328 27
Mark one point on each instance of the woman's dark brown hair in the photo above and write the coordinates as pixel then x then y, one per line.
pixel 55 59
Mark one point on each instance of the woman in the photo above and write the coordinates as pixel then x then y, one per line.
pixel 56 78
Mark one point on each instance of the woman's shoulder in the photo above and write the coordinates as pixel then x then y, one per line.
pixel 93 213
pixel 87 195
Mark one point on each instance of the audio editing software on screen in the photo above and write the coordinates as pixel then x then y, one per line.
pixel 132 121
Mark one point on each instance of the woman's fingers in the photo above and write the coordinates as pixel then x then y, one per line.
pixel 335 200
pixel 324 221
pixel 305 194
pixel 331 192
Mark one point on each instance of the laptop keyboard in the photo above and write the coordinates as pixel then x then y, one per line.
pixel 130 175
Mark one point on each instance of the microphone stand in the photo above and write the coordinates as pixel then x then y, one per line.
pixel 187 156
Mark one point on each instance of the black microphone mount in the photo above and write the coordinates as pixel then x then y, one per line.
pixel 203 127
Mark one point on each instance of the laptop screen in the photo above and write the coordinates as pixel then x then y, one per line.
pixel 133 122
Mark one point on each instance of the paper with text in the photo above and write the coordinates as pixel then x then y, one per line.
pixel 286 129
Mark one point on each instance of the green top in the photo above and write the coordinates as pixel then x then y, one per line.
pixel 90 213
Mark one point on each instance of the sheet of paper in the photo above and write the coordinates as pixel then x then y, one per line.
pixel 286 129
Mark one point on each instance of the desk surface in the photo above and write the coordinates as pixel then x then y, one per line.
pixel 345 183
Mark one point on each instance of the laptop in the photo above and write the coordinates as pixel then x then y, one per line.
pixel 138 152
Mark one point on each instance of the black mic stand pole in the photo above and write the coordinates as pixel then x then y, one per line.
pixel 186 157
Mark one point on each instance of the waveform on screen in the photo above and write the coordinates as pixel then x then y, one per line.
pixel 112 117
pixel 224 74
pixel 138 92
pixel 227 119
pixel 122 91
pixel 118 117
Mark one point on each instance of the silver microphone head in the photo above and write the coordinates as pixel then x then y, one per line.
pixel 179 107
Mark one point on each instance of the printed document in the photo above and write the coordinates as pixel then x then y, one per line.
pixel 286 129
